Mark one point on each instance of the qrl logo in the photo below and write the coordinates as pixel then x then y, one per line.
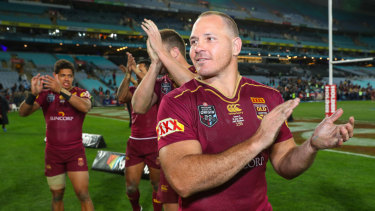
pixel 233 108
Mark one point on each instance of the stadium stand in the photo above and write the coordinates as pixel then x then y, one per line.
pixel 281 39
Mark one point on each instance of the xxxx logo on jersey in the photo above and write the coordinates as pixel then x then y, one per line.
pixel 260 106
pixel 85 94
pixel 168 126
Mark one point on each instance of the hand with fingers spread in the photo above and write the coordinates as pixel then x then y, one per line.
pixel 272 122
pixel 153 34
pixel 37 84
pixel 52 83
pixel 329 135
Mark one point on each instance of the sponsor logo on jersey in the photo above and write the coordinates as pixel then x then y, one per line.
pixel 81 162
pixel 168 126
pixel 115 161
pixel 260 107
pixel 259 160
pixel 62 99
pixel 164 188
pixel 166 87
pixel 50 97
pixel 48 167
pixel 207 115
pixel 85 94
pixel 257 100
pixel 232 108
pixel 61 117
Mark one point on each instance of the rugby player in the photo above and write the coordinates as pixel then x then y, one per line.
pixel 217 132
pixel 142 146
pixel 64 107
pixel 167 51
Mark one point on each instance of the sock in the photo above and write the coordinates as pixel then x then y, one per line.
pixel 156 203
pixel 134 200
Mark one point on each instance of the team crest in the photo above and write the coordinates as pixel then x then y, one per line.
pixel 50 97
pixel 207 115
pixel 260 107
pixel 166 87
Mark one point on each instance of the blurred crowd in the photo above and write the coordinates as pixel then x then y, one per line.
pixel 313 89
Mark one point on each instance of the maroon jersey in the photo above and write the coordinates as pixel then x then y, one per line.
pixel 165 84
pixel 197 111
pixel 63 121
pixel 143 125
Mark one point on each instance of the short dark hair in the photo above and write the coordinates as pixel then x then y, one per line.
pixel 63 64
pixel 147 62
pixel 171 39
pixel 227 19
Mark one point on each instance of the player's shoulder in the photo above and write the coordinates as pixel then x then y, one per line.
pixel 259 86
pixel 80 92
pixel 184 91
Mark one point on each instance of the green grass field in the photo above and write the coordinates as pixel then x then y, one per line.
pixel 335 181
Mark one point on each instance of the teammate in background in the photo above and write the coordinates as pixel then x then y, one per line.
pixel 167 51
pixel 4 109
pixel 64 108
pixel 217 132
pixel 140 73
pixel 142 146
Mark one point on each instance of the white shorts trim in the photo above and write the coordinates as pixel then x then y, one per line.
pixel 142 138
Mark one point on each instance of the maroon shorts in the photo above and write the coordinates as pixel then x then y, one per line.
pixel 166 193
pixel 142 150
pixel 60 161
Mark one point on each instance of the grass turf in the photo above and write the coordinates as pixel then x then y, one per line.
pixel 334 182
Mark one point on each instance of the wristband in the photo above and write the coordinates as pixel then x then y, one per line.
pixel 66 94
pixel 30 99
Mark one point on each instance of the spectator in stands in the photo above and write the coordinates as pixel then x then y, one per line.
pixel 114 77
pixel 4 108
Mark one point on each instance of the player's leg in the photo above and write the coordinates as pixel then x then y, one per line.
pixel 133 177
pixel 54 170
pixel 78 174
pixel 80 182
pixel 167 195
pixel 170 206
pixel 153 163
pixel 57 187
pixel 154 179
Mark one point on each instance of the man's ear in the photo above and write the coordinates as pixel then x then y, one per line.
pixel 174 52
pixel 236 45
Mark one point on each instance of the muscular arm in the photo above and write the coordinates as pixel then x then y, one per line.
pixel 290 160
pixel 189 171
pixel 144 96
pixel 180 72
pixel 36 88
pixel 123 93
pixel 81 104
pixel 26 109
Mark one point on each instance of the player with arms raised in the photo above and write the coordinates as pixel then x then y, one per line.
pixel 64 108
